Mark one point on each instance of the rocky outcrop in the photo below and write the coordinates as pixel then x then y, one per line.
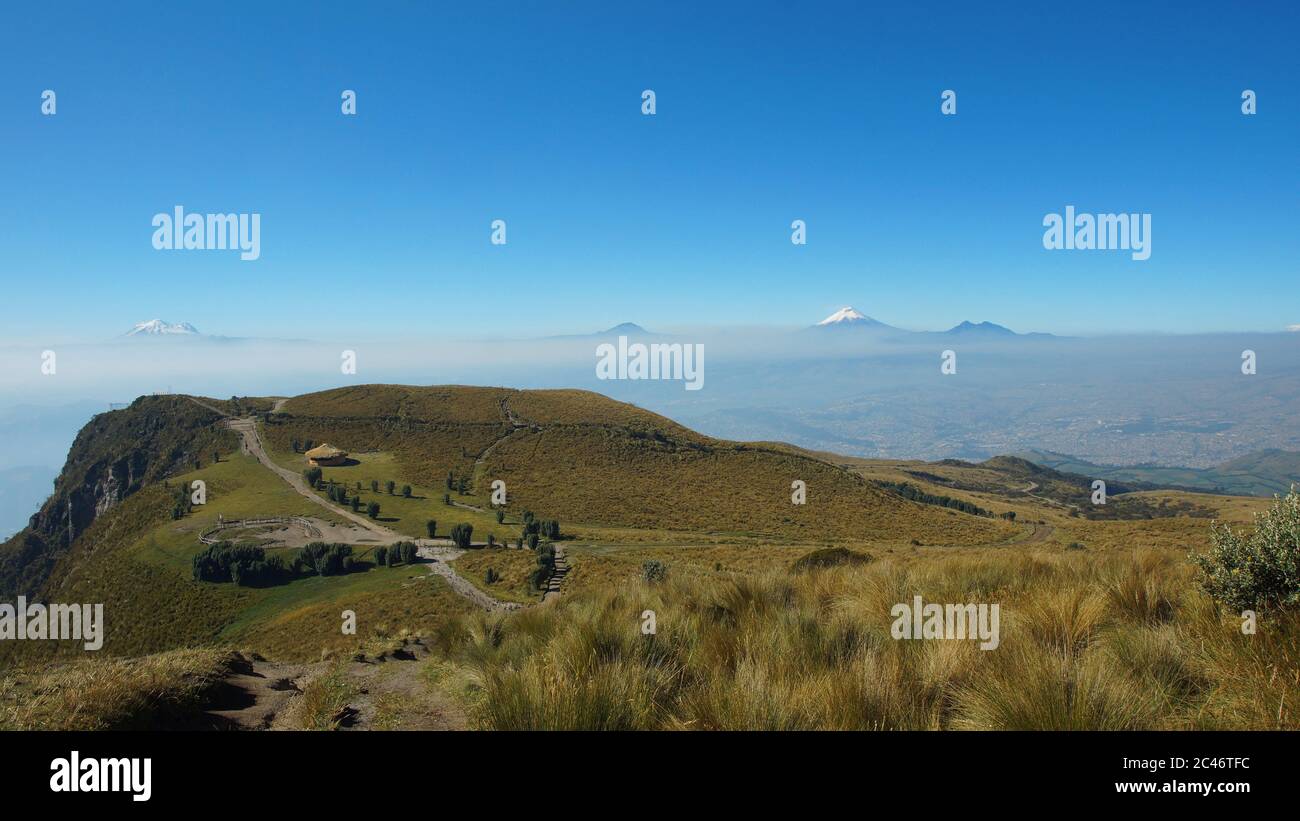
pixel 115 455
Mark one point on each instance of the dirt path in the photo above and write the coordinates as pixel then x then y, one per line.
pixel 439 557
pixel 438 551
pixel 390 692
pixel 256 693
pixel 247 428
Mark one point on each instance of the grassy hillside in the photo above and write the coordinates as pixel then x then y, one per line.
pixel 583 458
pixel 746 639
pixel 114 456
pixel 1122 641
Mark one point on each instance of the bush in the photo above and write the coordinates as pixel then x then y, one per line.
pixel 404 552
pixel 1259 570
pixel 326 559
pixel 653 570
pixel 461 535
pixel 829 557
pixel 243 564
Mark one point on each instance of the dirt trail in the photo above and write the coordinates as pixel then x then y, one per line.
pixel 438 551
pixel 390 693
pixel 439 556
pixel 255 693
pixel 247 428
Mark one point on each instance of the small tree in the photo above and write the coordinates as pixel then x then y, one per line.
pixel 491 576
pixel 374 485
pixel 432 527
pixel 653 570
pixel 406 491
pixel 501 516
pixel 356 503
pixel 372 510
pixel 1259 570
pixel 446 498
pixel 389 485
pixel 461 534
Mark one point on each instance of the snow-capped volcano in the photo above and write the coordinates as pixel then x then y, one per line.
pixel 849 317
pixel 845 314
pixel 156 327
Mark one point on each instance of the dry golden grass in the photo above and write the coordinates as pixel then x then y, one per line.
pixel 513 566
pixel 153 692
pixel 1111 641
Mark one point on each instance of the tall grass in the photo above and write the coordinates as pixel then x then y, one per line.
pixel 1115 641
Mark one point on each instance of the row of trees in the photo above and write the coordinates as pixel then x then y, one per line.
pixel 545 567
pixel 917 495
pixel 398 553
pixel 248 565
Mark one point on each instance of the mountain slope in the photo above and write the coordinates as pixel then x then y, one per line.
pixel 582 457
pixel 115 455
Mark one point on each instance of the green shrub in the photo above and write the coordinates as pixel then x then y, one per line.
pixel 653 570
pixel 1259 570
pixel 829 557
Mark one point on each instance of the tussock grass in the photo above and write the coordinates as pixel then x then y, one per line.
pixel 151 692
pixel 1116 641
pixel 322 700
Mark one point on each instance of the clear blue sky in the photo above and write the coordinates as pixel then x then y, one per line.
pixel 766 113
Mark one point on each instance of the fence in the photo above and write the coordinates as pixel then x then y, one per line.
pixel 209 536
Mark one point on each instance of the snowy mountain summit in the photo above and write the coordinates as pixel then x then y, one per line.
pixel 846 315
pixel 156 327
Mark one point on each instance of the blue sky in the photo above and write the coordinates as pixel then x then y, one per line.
pixel 531 113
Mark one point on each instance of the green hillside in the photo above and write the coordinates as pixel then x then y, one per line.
pixel 584 458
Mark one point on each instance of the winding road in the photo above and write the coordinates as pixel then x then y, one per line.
pixel 439 552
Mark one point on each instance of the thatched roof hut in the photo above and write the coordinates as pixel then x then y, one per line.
pixel 325 455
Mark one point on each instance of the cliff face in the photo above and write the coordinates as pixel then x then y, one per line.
pixel 115 454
